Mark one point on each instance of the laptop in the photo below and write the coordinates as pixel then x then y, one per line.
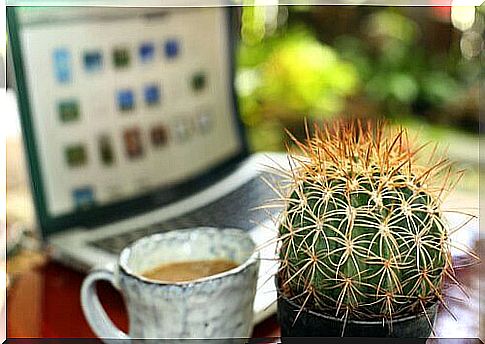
pixel 131 127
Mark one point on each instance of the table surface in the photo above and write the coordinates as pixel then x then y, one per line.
pixel 44 302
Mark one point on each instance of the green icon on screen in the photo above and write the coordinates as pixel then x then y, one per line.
pixel 76 155
pixel 121 57
pixel 199 81
pixel 106 150
pixel 68 111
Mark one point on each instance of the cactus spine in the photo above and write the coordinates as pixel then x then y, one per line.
pixel 362 235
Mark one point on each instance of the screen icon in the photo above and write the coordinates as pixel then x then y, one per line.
pixel 146 52
pixel 68 110
pixel 121 57
pixel 93 61
pixel 133 144
pixel 151 94
pixel 171 48
pixel 125 100
pixel 76 155
pixel 106 151
pixel 204 122
pixel 62 65
pixel 159 136
pixel 83 197
pixel 199 81
pixel 182 130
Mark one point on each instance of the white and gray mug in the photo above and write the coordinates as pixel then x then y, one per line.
pixel 217 306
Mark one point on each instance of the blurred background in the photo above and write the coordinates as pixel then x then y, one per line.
pixel 416 66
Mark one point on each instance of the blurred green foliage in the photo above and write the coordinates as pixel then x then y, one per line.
pixel 291 66
pixel 294 75
pixel 398 72
pixel 286 78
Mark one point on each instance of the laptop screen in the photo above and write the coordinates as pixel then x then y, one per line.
pixel 125 102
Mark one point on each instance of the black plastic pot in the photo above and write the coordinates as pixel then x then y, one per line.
pixel 312 324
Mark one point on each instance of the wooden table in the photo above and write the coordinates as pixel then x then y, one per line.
pixel 44 302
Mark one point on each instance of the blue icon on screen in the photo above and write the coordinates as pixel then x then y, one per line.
pixel 146 52
pixel 125 100
pixel 152 94
pixel 93 61
pixel 62 65
pixel 83 197
pixel 171 48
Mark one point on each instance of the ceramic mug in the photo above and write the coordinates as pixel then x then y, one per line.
pixel 217 306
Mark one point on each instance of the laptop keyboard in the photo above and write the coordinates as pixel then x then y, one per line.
pixel 234 210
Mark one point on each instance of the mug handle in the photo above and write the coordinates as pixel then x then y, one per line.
pixel 96 316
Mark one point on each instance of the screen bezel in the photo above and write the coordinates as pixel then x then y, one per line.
pixel 102 214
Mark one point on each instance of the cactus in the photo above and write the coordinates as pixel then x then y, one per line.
pixel 362 235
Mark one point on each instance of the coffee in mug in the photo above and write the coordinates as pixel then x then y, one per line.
pixel 190 283
pixel 189 271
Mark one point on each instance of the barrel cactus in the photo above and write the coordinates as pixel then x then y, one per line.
pixel 362 235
